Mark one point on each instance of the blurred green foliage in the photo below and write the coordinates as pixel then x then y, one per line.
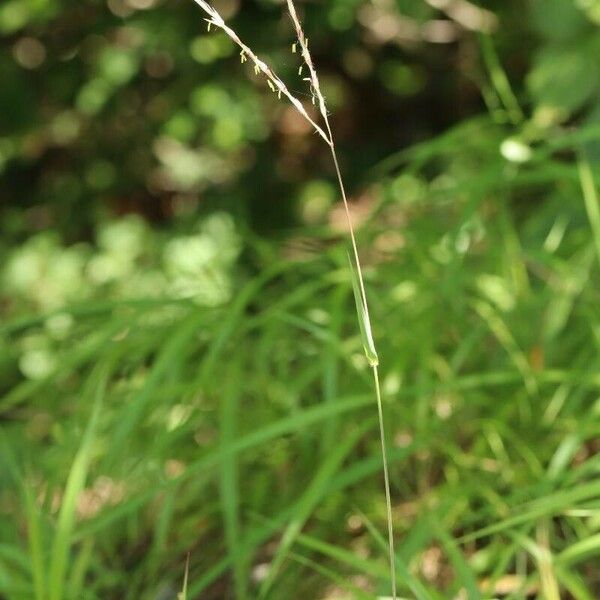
pixel 132 106
pixel 180 367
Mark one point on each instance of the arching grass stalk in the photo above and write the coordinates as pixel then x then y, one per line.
pixel 277 86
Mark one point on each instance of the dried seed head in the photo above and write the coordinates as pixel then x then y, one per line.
pixel 275 84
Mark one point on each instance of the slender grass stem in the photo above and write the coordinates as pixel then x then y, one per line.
pixel 374 363
pixel 362 306
pixel 326 133
pixel 388 496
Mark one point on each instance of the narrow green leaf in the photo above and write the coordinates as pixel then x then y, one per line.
pixel 66 519
pixel 229 485
pixel 591 200
pixel 364 321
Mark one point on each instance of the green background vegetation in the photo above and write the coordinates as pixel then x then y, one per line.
pixel 181 372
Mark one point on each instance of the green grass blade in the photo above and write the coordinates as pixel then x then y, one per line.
pixel 590 197
pixel 339 580
pixel 310 499
pixel 364 321
pixel 81 566
pixel 171 354
pixel 228 480
pixel 580 550
pixel 36 543
pixel 214 458
pixel 545 506
pixel 405 576
pixel 502 333
pixel 66 519
pixel 500 79
pixel 463 569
